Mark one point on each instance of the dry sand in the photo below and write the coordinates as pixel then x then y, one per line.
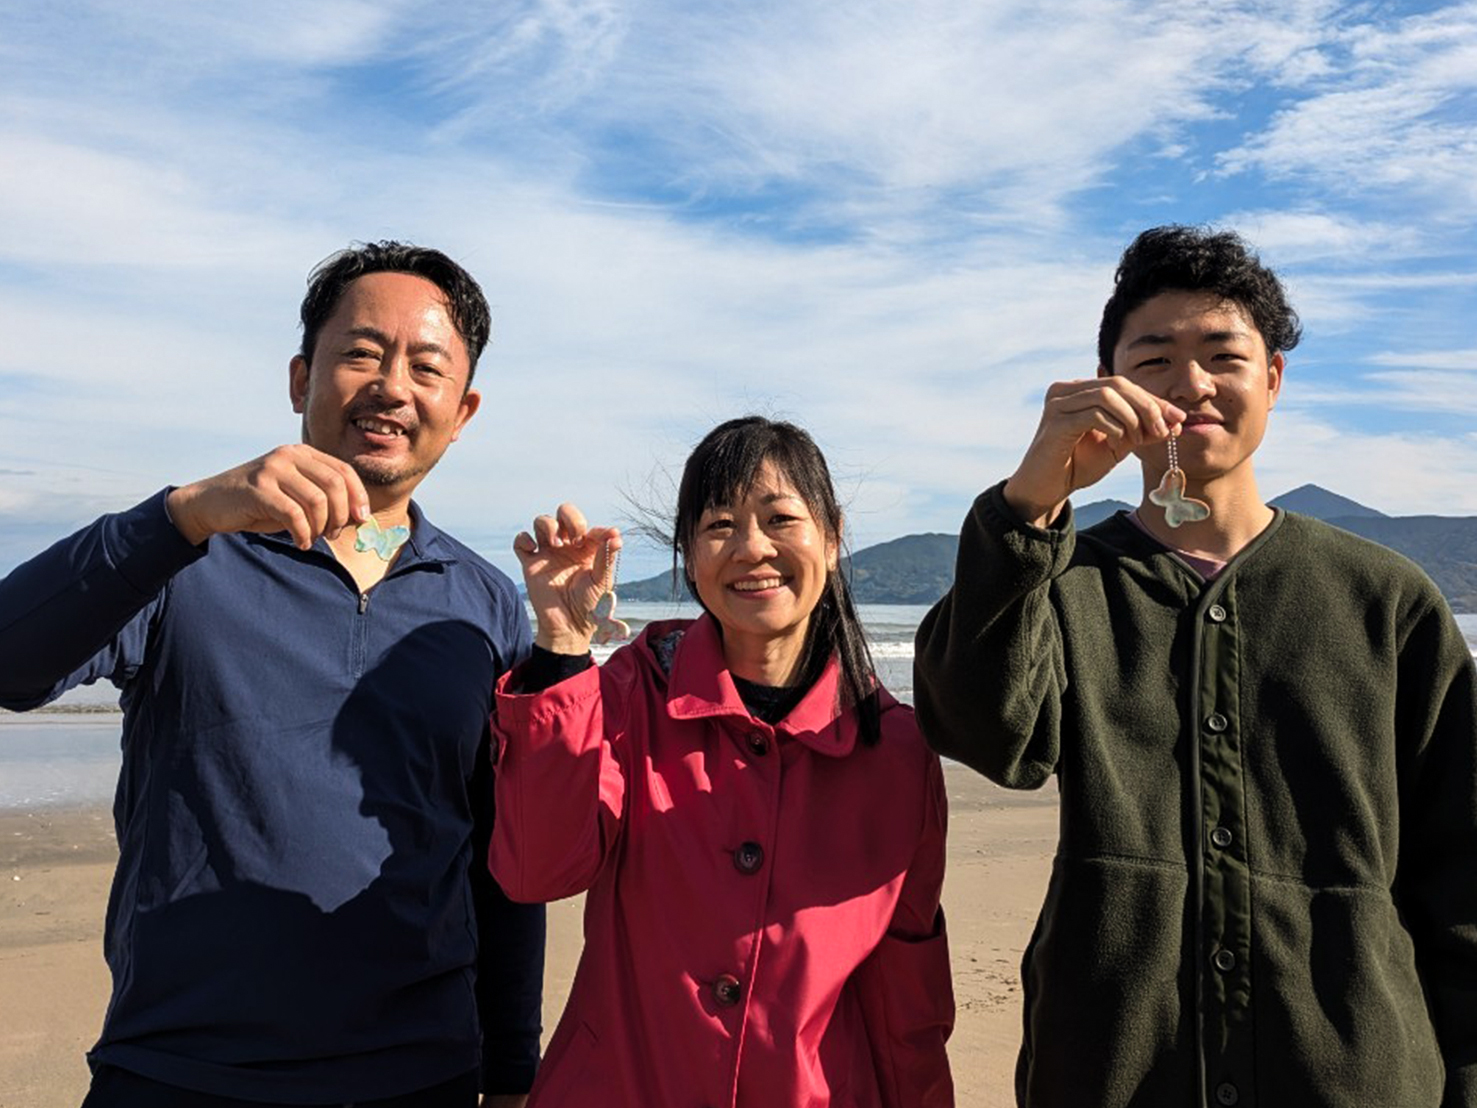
pixel 56 866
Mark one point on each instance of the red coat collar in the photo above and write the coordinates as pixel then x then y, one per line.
pixel 700 685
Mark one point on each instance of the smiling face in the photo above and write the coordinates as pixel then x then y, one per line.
pixel 387 388
pixel 759 565
pixel 1204 355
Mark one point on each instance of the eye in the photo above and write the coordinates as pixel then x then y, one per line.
pixel 1151 363
pixel 719 523
pixel 359 354
pixel 780 519
pixel 430 370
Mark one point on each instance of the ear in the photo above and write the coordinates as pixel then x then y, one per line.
pixel 471 401
pixel 297 383
pixel 1274 378
pixel 1104 371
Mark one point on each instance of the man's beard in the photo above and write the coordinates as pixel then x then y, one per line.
pixel 385 474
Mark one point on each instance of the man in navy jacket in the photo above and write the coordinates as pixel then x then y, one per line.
pixel 306 666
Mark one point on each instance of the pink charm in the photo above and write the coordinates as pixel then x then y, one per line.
pixel 1170 495
pixel 607 628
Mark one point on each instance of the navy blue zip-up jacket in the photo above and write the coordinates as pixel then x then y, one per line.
pixel 305 791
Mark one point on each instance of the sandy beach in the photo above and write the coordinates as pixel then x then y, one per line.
pixel 56 865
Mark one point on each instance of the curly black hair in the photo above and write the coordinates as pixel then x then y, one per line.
pixel 1197 259
pixel 465 303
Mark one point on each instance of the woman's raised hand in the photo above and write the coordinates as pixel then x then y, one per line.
pixel 567 567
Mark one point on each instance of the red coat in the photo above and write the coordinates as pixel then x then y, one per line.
pixel 763 926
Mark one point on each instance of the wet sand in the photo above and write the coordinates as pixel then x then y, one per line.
pixel 56 865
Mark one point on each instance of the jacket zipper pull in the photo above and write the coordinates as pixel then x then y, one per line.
pixel 363 602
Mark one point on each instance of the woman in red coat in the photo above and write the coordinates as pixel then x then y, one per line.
pixel 758 824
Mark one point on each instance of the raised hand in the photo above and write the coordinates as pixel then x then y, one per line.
pixel 294 488
pixel 567 567
pixel 1087 427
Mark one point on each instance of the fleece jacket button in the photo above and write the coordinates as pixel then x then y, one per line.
pixel 758 743
pixel 748 858
pixel 1217 722
pixel 1225 1093
pixel 727 990
pixel 1216 613
pixel 1224 960
pixel 1221 837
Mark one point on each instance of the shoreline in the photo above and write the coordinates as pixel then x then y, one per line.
pixel 56 865
pixel 39 715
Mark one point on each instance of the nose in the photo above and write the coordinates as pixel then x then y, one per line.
pixel 393 380
pixel 751 544
pixel 1191 383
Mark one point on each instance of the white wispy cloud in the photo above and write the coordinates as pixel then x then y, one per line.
pixel 1393 113
pixel 1342 240
pixel 1454 361
pixel 991 113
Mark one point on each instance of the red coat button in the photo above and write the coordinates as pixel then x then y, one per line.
pixel 748 858
pixel 758 743
pixel 728 990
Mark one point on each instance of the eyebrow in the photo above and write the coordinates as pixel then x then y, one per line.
pixel 1153 339
pixel 376 335
pixel 770 498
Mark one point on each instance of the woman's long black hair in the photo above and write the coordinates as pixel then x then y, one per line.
pixel 720 471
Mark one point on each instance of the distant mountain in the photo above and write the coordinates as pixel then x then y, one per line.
pixel 661 588
pixel 915 569
pixel 1310 500
pixel 1098 511
pixel 918 569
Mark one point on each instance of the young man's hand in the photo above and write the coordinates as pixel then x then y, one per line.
pixel 1087 427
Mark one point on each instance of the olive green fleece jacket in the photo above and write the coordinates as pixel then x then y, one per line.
pixel 1265 889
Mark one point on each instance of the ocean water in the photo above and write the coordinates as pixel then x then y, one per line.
pixel 57 759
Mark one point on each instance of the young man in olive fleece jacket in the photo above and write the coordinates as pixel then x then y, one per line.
pixel 1262 728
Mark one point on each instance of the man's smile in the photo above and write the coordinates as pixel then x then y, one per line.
pixel 372 426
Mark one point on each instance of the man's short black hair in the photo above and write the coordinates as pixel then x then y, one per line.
pixel 1197 259
pixel 465 303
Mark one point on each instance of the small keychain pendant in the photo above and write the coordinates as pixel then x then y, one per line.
pixel 384 541
pixel 1170 495
pixel 607 627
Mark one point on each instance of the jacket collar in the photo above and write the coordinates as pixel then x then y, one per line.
pixel 699 685
pixel 427 543
pixel 1140 540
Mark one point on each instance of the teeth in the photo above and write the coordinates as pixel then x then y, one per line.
pixel 374 426
pixel 755 586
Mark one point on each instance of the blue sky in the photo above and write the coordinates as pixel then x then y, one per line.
pixel 894 222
